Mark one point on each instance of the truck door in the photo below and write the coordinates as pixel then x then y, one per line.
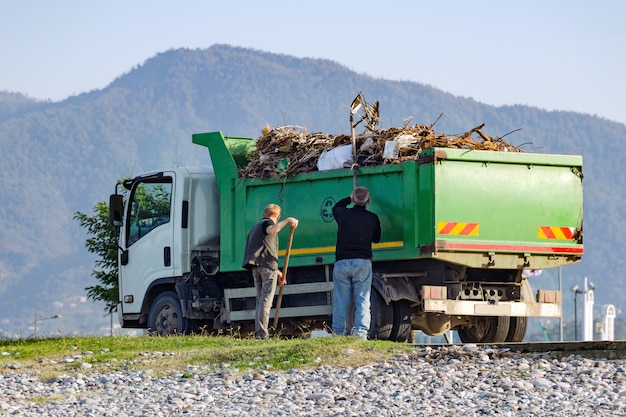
pixel 148 237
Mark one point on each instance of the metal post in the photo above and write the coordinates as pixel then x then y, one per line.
pixel 588 310
pixel 38 319
pixel 575 317
pixel 561 317
pixel 576 291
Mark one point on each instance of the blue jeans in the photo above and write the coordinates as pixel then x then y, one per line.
pixel 352 281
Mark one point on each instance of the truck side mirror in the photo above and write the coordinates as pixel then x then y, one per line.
pixel 116 209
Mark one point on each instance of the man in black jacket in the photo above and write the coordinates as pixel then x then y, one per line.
pixel 357 228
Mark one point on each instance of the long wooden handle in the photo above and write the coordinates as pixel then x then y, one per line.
pixel 354 161
pixel 280 292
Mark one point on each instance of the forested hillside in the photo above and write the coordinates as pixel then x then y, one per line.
pixel 62 157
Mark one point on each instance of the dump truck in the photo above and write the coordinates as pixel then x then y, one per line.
pixel 459 229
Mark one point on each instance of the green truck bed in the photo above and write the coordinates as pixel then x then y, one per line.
pixel 480 209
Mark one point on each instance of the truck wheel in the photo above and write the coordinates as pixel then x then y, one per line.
pixel 517 329
pixel 401 331
pixel 486 330
pixel 382 317
pixel 166 316
pixel 474 334
pixel 500 330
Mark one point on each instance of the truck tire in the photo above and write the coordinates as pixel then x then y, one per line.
pixel 401 331
pixel 166 316
pixel 382 317
pixel 517 329
pixel 500 330
pixel 487 330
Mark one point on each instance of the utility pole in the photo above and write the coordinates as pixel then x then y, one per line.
pixel 39 318
pixel 561 318
pixel 576 291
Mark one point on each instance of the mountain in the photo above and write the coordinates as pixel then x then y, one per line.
pixel 61 157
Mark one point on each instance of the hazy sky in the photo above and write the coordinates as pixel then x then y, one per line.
pixel 556 55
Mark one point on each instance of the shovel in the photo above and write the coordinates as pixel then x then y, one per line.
pixel 280 293
pixel 354 108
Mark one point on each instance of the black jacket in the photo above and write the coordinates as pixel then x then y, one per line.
pixel 357 228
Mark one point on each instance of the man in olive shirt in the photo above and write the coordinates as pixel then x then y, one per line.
pixel 261 257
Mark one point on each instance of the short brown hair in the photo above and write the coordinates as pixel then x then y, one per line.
pixel 271 210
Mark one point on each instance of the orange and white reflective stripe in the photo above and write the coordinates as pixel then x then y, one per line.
pixel 457 228
pixel 555 232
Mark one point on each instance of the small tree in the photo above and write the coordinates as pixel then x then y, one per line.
pixel 103 242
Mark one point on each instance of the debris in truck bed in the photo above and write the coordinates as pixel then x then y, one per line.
pixel 288 150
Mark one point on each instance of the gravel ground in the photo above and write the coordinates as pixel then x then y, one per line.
pixel 453 380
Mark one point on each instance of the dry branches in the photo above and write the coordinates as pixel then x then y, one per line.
pixel 289 150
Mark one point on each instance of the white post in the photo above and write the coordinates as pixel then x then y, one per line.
pixel 588 312
pixel 609 322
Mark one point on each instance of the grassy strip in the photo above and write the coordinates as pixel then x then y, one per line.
pixel 162 355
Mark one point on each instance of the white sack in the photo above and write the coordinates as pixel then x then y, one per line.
pixel 335 158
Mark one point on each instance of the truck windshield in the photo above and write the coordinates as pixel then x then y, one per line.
pixel 150 206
